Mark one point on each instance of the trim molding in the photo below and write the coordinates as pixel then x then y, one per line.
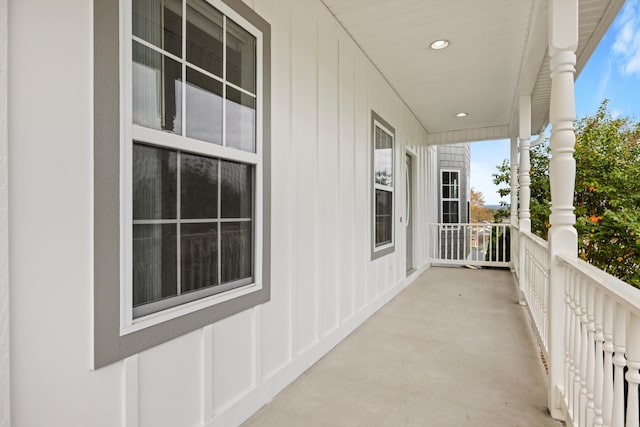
pixel 5 356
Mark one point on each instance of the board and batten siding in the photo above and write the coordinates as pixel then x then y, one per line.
pixel 5 367
pixel 324 283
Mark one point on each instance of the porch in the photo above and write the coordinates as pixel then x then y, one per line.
pixel 454 348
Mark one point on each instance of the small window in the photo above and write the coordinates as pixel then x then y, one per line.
pixel 450 197
pixel 383 143
pixel 191 218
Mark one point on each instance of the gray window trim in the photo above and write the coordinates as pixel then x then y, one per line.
pixel 109 346
pixel 390 249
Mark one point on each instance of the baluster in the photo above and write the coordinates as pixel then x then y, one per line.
pixel 569 339
pixel 633 375
pixel 607 388
pixel 591 329
pixel 576 353
pixel 599 368
pixel 584 351
pixel 619 330
pixel 545 294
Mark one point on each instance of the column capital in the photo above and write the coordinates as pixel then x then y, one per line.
pixel 563 26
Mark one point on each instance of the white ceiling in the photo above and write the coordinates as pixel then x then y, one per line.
pixel 497 53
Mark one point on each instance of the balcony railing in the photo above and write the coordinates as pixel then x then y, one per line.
pixel 602 341
pixel 601 336
pixel 471 244
pixel 535 282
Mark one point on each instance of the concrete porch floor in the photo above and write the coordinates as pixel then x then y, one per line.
pixel 453 349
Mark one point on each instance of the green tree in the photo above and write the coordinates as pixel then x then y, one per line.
pixel 607 192
pixel 540 193
pixel 479 212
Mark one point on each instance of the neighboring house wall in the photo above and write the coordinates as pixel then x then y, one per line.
pixel 324 283
pixel 454 157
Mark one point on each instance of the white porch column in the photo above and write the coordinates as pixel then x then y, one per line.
pixel 525 163
pixel 563 238
pixel 513 162
pixel 514 181
pixel 524 190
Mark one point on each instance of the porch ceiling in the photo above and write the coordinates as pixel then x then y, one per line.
pixel 497 53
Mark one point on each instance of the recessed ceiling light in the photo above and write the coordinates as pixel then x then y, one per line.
pixel 462 114
pixel 439 44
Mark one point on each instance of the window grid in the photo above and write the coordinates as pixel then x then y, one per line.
pixel 235 154
pixel 450 195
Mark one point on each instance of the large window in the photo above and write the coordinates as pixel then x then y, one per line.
pixel 383 136
pixel 194 156
pixel 450 181
pixel 191 173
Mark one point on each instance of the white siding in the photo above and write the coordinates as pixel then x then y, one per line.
pixel 4 227
pixel 324 283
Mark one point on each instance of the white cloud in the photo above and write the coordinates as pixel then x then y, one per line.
pixel 626 46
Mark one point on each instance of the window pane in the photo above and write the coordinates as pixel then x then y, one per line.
pixel 445 192
pixel 198 187
pixel 236 246
pixel 159 22
pixel 454 192
pixel 204 107
pixel 237 184
pixel 154 183
pixel 445 177
pixel 241 120
pixel 157 90
pixel 204 36
pixel 199 251
pixel 384 201
pixel 154 262
pixel 383 158
pixel 241 57
pixel 449 212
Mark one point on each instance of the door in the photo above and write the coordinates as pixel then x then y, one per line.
pixel 409 211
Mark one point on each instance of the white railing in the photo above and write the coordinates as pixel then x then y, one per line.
pixel 471 244
pixel 602 340
pixel 534 281
pixel 515 250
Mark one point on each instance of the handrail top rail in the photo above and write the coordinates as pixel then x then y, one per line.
pixel 624 293
pixel 536 239
pixel 479 224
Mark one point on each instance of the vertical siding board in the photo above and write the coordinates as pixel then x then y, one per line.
pixel 169 383
pixel 232 359
pixel 305 163
pixel 346 180
pixel 362 234
pixel 5 366
pixel 328 173
pixel 277 315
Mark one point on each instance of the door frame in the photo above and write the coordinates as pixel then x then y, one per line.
pixel 409 152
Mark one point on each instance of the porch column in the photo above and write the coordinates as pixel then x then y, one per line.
pixel 514 180
pixel 514 202
pixel 525 191
pixel 563 238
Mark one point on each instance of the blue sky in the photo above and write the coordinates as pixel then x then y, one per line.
pixel 613 72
